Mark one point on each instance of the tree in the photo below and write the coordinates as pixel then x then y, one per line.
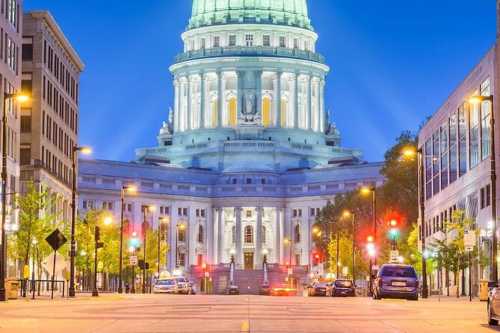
pixel 35 224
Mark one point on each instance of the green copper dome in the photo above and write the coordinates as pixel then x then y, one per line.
pixel 282 12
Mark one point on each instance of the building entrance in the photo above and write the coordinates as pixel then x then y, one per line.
pixel 248 261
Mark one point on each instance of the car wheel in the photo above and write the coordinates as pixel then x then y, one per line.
pixel 414 298
pixel 491 321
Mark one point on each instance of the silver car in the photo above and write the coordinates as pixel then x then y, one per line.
pixel 165 286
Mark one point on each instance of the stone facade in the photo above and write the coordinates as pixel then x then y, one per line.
pixel 49 131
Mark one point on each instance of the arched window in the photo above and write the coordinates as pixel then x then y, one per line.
pixel 248 235
pixel 297 234
pixel 266 111
pixel 201 234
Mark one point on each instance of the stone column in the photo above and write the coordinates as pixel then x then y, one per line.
pixel 220 97
pixel 287 234
pixel 189 103
pixel 309 108
pixel 239 247
pixel 172 243
pixel 258 97
pixel 258 237
pixel 278 237
pixel 239 94
pixel 277 99
pixel 296 101
pixel 220 235
pixel 202 100
pixel 317 126
pixel 209 235
pixel 176 105
pixel 322 114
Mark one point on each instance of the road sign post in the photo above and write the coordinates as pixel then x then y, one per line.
pixel 56 239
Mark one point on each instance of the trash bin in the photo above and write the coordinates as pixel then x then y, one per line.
pixel 483 290
pixel 12 289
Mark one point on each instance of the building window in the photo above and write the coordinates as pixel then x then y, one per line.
pixel 201 235
pixel 25 121
pixel 25 156
pixel 181 234
pixel 428 168
pixel 233 235
pixel 249 40
pixel 216 41
pixel 249 213
pixel 444 155
pixel 203 43
pixel 248 235
pixel 181 260
pixel 249 181
pixel 296 43
pixel 264 234
pixel 435 163
pixel 296 234
pixel 28 49
pixel 485 120
pixel 266 40
pixel 462 141
pixel 282 41
pixel 453 140
pixel 232 40
pixel 474 114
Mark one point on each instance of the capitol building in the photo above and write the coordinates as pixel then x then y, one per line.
pixel 248 156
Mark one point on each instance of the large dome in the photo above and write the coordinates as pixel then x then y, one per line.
pixel 282 12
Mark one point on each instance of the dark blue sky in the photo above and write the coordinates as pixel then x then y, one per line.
pixel 393 63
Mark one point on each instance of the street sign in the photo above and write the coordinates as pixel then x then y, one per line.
pixel 469 240
pixel 394 258
pixel 56 240
pixel 133 261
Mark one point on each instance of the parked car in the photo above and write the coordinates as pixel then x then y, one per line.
pixel 165 286
pixel 343 288
pixel 184 286
pixel 494 306
pixel 320 289
pixel 396 281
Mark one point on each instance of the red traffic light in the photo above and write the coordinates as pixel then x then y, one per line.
pixel 394 223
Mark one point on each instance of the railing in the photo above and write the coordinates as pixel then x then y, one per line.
pixel 257 51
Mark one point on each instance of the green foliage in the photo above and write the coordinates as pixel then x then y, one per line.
pixel 398 195
pixel 35 224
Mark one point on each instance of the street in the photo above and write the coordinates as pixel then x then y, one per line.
pixel 162 313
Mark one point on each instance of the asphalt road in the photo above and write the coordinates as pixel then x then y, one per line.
pixel 221 314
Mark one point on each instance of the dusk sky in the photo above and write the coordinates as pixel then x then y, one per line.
pixel 393 63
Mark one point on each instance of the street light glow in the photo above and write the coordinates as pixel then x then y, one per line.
pixel 22 98
pixel 86 150
pixel 365 190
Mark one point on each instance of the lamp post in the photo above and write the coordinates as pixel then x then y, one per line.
pixel 289 242
pixel 132 250
pixel 124 190
pixel 409 153
pixel 98 245
pixel 145 211
pixel 74 155
pixel 373 191
pixel 348 214
pixel 21 98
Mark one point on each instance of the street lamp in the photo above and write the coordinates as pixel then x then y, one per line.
pixel 347 214
pixel 20 98
pixel 367 190
pixel 74 155
pixel 372 253
pixel 493 176
pixel 107 221
pixel 411 152
pixel 132 190
pixel 145 211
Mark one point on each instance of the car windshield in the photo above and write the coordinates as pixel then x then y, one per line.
pixel 181 280
pixel 398 271
pixel 165 282
pixel 322 285
pixel 343 284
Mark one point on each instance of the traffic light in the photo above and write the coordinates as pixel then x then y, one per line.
pixel 98 244
pixel 370 246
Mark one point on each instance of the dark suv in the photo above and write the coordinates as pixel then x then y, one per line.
pixel 396 281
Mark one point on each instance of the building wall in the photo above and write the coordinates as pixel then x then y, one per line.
pixel 455 143
pixel 10 82
pixel 230 203
pixel 51 70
